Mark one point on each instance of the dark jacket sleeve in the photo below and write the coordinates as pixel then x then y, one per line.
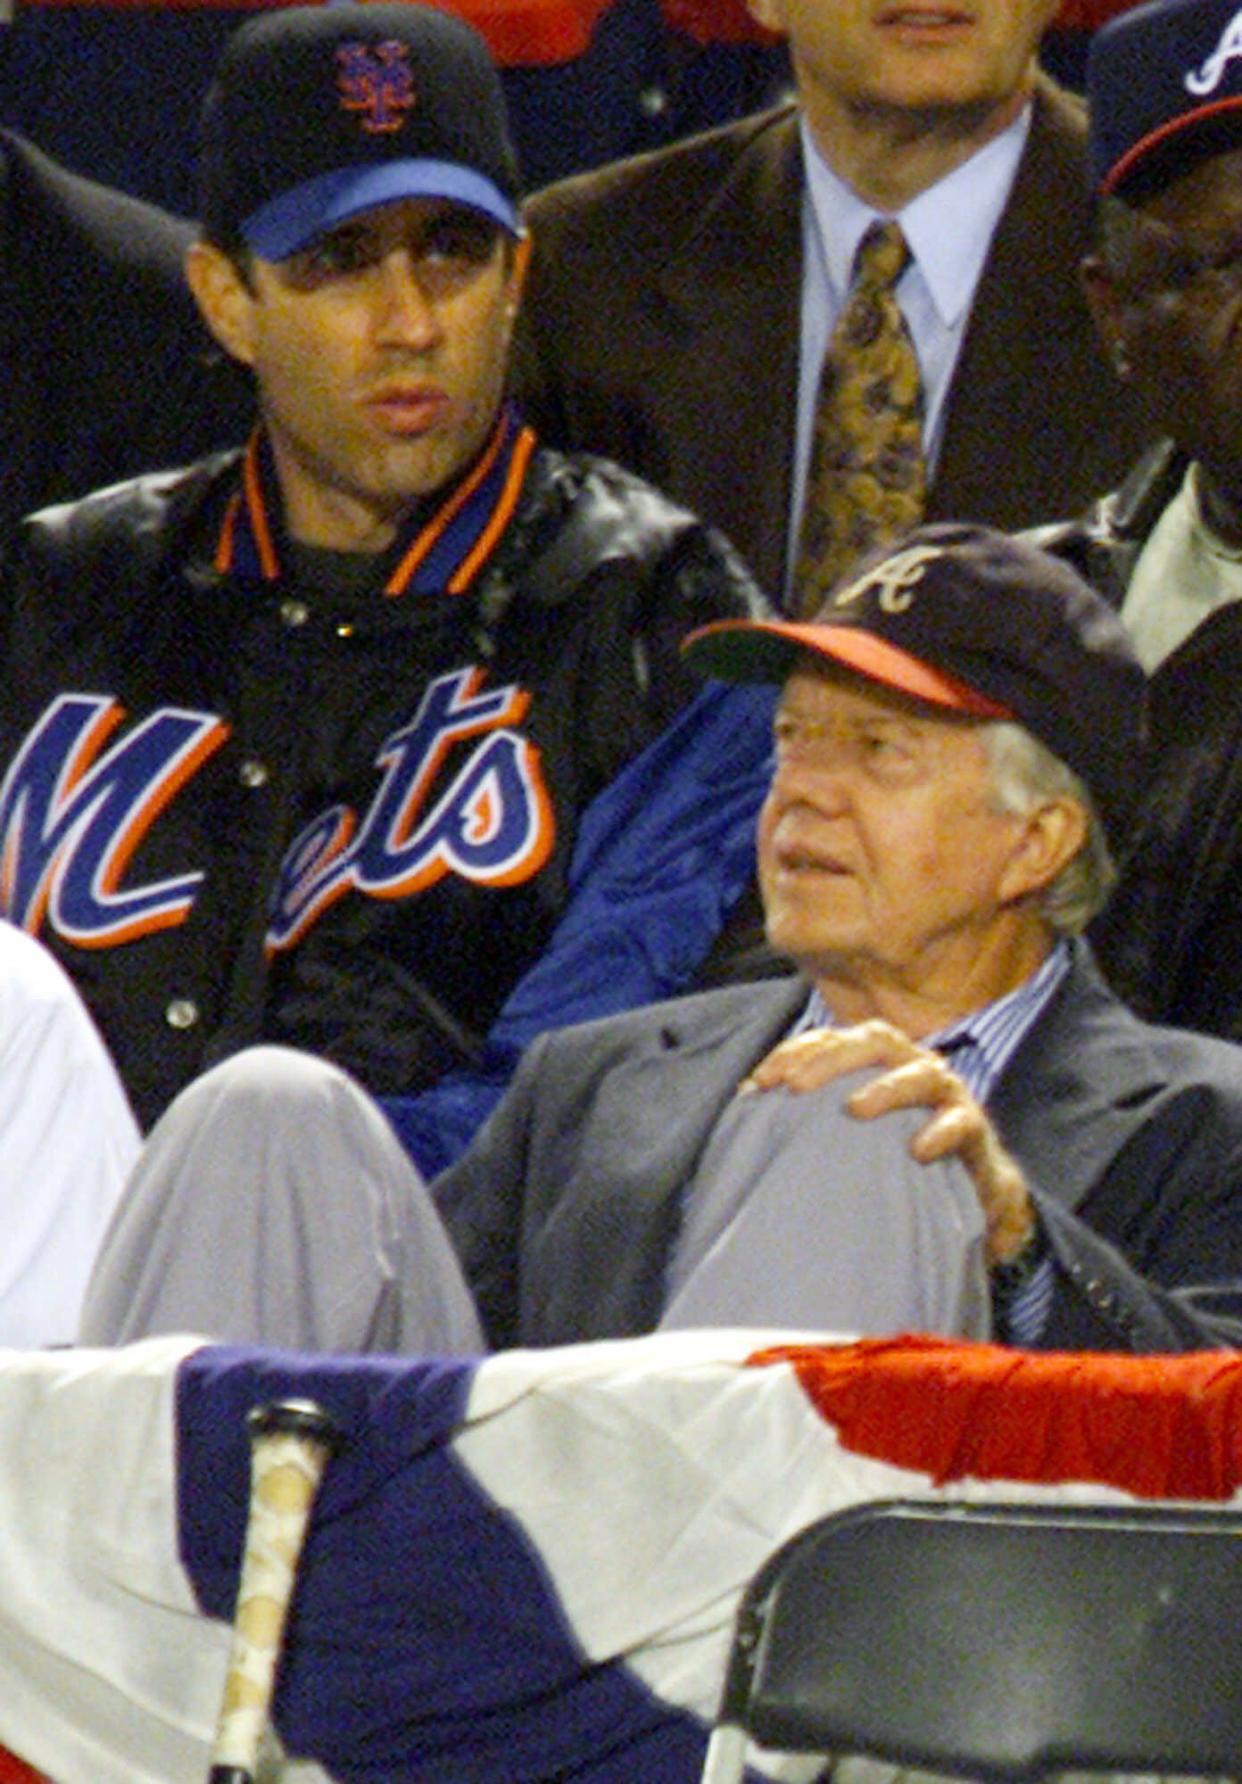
pixel 649 573
pixel 1151 1259
pixel 1100 1302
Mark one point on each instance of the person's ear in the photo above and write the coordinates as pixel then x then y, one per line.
pixel 225 301
pixel 1049 838
pixel 1104 302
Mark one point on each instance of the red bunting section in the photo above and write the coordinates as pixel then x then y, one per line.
pixel 1157 1427
pixel 518 32
pixel 13 1771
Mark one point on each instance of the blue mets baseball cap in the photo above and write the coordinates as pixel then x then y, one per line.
pixel 1164 84
pixel 319 112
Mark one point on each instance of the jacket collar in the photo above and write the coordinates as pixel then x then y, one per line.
pixel 745 1020
pixel 709 271
pixel 1105 542
pixel 729 292
pixel 440 553
pixel 1065 1104
pixel 1133 509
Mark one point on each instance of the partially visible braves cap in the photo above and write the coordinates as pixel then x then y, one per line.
pixel 319 112
pixel 978 622
pixel 1164 84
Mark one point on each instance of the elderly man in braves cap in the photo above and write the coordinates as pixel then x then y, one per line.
pixel 298 739
pixel 954 745
pixel 1166 548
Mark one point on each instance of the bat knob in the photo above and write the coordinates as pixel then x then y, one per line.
pixel 296 1418
pixel 291 1442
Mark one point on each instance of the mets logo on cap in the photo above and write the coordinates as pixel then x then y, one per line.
pixel 374 80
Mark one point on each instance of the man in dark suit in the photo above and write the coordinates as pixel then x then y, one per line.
pixel 106 363
pixel 679 303
pixel 954 749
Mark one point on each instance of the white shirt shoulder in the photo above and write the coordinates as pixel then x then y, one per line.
pixel 68 1139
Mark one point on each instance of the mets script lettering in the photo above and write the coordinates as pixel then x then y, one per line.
pixel 72 815
pixel 1204 80
pixel 77 803
pixel 492 824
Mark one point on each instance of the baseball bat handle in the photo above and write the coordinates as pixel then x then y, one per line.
pixel 291 1442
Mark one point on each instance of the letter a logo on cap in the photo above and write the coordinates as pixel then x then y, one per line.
pixel 894 580
pixel 1205 80
pixel 375 81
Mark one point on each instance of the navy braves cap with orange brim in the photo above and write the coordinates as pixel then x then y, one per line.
pixel 1164 86
pixel 318 113
pixel 977 622
pixel 767 650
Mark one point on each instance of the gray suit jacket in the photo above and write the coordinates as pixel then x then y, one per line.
pixel 565 1209
pixel 661 328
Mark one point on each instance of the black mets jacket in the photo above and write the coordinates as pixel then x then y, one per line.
pixel 238 807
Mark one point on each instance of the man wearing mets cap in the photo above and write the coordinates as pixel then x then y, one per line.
pixel 298 738
pixel 1165 549
pixel 954 740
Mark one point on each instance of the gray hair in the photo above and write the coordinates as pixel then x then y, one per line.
pixel 1024 774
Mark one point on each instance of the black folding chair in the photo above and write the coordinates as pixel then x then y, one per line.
pixel 999 1642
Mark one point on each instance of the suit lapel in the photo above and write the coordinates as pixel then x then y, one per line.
pixel 693 1062
pixel 1016 449
pixel 688 1070
pixel 1026 304
pixel 612 1170
pixel 1066 1103
pixel 732 296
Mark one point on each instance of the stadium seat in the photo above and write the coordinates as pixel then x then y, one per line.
pixel 995 1641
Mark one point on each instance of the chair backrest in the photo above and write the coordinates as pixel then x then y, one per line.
pixel 997 1641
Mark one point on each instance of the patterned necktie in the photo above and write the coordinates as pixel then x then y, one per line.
pixel 866 481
